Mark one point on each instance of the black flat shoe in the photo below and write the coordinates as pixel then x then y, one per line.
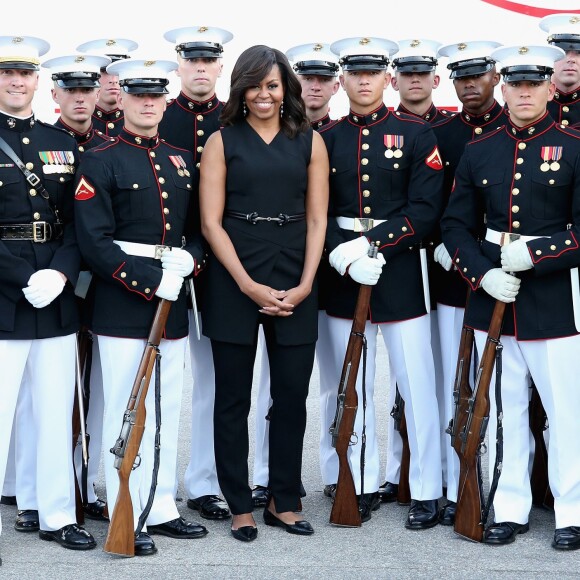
pixel 503 533
pixel 567 538
pixel 144 545
pixel 72 537
pixel 447 514
pixel 301 528
pixel 245 533
pixel 96 510
pixel 388 492
pixel 27 521
pixel 210 507
pixel 423 514
pixel 260 496
pixel 179 528
pixel 368 503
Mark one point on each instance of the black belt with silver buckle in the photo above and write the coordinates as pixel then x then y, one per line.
pixel 281 219
pixel 38 232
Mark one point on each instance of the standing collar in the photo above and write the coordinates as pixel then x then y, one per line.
pixel 197 106
pixel 371 118
pixel 139 140
pixel 532 130
pixel 16 124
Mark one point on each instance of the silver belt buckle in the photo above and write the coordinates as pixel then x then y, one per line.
pixel 363 224
pixel 39 235
pixel 159 250
pixel 508 238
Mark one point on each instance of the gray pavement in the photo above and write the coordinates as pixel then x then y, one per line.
pixel 382 548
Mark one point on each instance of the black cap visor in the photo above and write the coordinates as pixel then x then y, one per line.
pixel 144 86
pixel 470 68
pixel 364 62
pixel 321 68
pixel 77 80
pixel 410 64
pixel 526 73
pixel 199 49
pixel 565 41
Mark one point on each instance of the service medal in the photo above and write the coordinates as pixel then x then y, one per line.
pixel 389 153
pixel 398 153
pixel 545 167
pixel 555 166
pixel 551 156
pixel 180 172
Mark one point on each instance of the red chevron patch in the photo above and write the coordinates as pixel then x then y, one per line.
pixel 434 160
pixel 84 190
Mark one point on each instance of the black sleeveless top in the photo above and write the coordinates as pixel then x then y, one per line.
pixel 268 179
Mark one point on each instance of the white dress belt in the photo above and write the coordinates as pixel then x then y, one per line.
pixel 141 250
pixel 358 224
pixel 503 238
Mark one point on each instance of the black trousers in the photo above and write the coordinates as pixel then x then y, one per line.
pixel 290 372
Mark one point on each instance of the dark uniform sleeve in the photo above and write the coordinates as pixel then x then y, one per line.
pixel 95 225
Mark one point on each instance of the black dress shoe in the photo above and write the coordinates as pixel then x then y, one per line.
pixel 447 514
pixel 245 533
pixel 368 503
pixel 27 521
pixel 567 538
pixel 210 507
pixel 388 492
pixel 96 510
pixel 260 496
pixel 144 545
pixel 330 490
pixel 179 528
pixel 301 528
pixel 72 537
pixel 503 532
pixel 423 514
pixel 8 500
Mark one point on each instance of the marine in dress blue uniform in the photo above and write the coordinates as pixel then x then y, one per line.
pixel 133 200
pixel 108 117
pixel 522 182
pixel 385 187
pixel 189 120
pixel 39 267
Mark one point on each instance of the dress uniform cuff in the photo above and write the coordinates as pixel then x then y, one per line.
pixel 393 232
pixel 544 251
pixel 130 282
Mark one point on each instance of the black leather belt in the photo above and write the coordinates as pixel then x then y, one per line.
pixel 281 219
pixel 39 232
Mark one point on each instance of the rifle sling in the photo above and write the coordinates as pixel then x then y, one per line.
pixel 87 397
pixel 157 455
pixel 497 468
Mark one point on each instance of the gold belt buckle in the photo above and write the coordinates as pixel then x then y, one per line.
pixel 363 224
pixel 39 236
pixel 159 250
pixel 508 238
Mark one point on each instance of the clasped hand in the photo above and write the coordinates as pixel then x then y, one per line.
pixel 277 302
pixel 43 287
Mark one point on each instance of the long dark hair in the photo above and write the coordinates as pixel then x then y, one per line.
pixel 250 69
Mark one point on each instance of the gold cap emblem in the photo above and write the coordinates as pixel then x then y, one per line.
pixel 415 43
pixel 364 41
pixel 202 29
pixel 523 50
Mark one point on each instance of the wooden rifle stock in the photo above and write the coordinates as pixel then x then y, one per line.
pixel 541 492
pixel 398 414
pixel 121 536
pixel 470 439
pixel 345 509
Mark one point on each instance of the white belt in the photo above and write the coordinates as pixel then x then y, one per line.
pixel 358 224
pixel 503 238
pixel 142 250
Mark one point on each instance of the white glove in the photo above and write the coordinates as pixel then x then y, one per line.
pixel 346 253
pixel 367 270
pixel 170 286
pixel 515 257
pixel 442 256
pixel 501 285
pixel 178 261
pixel 43 287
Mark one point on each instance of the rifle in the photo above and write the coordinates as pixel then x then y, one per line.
pixel 541 492
pixel 345 509
pixel 398 415
pixel 121 536
pixel 468 441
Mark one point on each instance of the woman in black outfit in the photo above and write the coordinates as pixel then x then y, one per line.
pixel 264 198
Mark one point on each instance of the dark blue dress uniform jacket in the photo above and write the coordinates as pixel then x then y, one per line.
pixel 564 108
pixel 453 133
pixel 500 179
pixel 130 190
pixel 110 123
pixel 406 191
pixel 87 140
pixel 52 155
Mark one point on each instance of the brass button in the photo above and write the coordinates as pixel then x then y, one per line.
pixel 367 209
pixel 123 274
pixel 36 215
pixel 200 149
pixel 567 242
pixel 552 247
pixel 518 176
pixel 135 186
pixel 566 109
pixel 166 211
pixel 522 146
pixel 365 132
pixel 366 193
pixel 365 177
pixel 396 166
pixel 478 130
pixel 199 117
pixel 515 191
pixel 1 183
pixel 30 166
pixel 551 182
pixel 197 165
pixel 81 149
pixel 538 252
pixel 61 179
pixel 152 153
pixel 157 166
pixel 484 182
pixel 134 283
pixel 516 225
pixel 404 229
pixel 515 208
pixel 200 132
pixel 365 146
pixel 519 160
pixel 161 180
pixel 110 125
pixel 565 122
pixel 164 195
pixel 465 269
pixel 32 192
pixel 333 170
pixel 189 186
pixel 364 161
pixel 391 236
pixel 26 140
pixel 473 279
pixel 167 226
pixel 147 291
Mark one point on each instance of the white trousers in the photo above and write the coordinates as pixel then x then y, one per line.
pixel 120 358
pixel 9 488
pixel 201 475
pixel 47 366
pixel 554 368
pixel 408 345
